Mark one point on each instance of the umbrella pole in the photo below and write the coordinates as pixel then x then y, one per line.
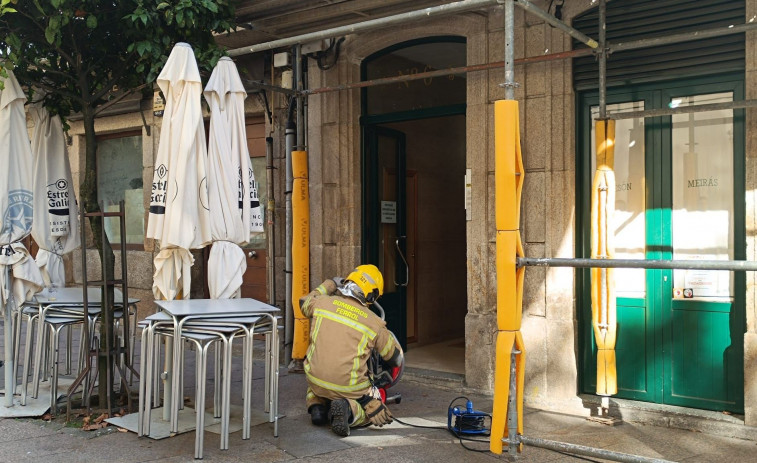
pixel 10 382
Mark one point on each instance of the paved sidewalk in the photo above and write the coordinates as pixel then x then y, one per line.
pixel 36 440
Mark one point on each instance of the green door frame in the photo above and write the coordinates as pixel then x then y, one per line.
pixel 656 385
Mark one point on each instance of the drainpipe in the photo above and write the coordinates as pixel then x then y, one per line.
pixel 290 132
pixel 270 226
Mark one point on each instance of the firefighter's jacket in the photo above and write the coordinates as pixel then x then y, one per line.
pixel 342 334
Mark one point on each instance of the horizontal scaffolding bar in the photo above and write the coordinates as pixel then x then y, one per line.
pixel 445 72
pixel 731 265
pixel 682 37
pixel 254 85
pixel 448 8
pixel 683 110
pixel 587 451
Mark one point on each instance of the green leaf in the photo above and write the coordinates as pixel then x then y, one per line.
pixel 56 3
pixel 50 35
pixel 143 17
pixel 91 21
pixel 161 6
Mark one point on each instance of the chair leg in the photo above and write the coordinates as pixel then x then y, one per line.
pixel 226 392
pixel 142 385
pixel 38 355
pixel 54 353
pixel 200 405
pixel 69 347
pixel 217 382
pixel 268 372
pixel 18 317
pixel 27 357
pixel 181 377
pixel 247 383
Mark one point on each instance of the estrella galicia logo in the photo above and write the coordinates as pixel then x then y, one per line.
pixel 57 201
pixel 159 190
pixel 17 220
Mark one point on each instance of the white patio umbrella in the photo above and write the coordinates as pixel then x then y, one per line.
pixel 56 224
pixel 179 217
pixel 232 192
pixel 19 276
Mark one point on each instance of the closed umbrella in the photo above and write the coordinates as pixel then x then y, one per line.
pixel 19 276
pixel 55 228
pixel 232 192
pixel 179 217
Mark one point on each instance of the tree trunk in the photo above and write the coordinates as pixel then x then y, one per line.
pixel 88 196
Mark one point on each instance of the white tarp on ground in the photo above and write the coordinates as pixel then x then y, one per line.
pixel 232 190
pixel 179 218
pixel 56 224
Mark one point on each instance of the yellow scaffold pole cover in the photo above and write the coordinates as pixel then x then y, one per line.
pixel 603 309
pixel 508 178
pixel 300 251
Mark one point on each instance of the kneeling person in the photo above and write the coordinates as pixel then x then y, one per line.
pixel 343 331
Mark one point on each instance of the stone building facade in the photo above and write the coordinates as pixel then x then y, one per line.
pixel 549 129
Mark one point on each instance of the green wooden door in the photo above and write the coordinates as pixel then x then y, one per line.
pixel 385 221
pixel 680 195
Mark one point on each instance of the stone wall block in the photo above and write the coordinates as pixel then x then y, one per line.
pixel 316 154
pixel 534 331
pixel 329 153
pixel 536 79
pixel 556 146
pixel 537 135
pixel 534 207
pixel 535 43
pixel 534 288
pixel 479 261
pixel 477 49
pixel 750 384
pixel 569 130
pixel 480 346
pixel 562 364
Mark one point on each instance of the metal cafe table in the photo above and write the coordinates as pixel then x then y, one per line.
pixel 205 310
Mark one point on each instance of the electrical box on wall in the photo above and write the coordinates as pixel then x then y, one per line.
pixel 281 60
pixel 314 47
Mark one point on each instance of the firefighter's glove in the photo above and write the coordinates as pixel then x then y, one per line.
pixel 375 411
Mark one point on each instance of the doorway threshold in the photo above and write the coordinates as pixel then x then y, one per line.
pixel 671 416
pixel 436 378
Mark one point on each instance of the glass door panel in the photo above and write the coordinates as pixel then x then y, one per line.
pixel 704 352
pixel 703 196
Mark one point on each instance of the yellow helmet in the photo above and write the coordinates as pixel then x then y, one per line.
pixel 369 279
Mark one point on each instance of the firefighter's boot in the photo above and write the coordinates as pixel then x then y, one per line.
pixel 339 415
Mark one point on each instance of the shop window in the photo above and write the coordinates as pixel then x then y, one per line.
pixel 119 178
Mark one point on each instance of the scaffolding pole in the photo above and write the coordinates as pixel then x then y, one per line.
pixel 456 7
pixel 728 265
pixel 684 109
pixel 587 451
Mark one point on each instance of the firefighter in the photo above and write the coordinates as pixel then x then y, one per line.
pixel 343 331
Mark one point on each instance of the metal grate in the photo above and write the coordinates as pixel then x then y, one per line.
pixel 636 19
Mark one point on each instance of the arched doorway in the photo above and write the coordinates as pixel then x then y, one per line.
pixel 413 198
